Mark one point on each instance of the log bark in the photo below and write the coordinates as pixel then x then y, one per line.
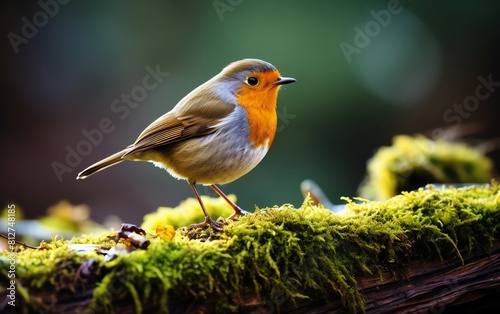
pixel 430 287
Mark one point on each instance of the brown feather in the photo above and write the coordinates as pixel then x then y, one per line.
pixel 101 165
pixel 199 118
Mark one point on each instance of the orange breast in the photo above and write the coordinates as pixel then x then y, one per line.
pixel 261 113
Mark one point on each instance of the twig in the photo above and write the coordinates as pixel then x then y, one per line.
pixel 18 242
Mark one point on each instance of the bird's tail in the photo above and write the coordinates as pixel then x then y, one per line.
pixel 103 164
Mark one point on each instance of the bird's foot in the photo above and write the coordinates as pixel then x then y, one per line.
pixel 237 212
pixel 217 226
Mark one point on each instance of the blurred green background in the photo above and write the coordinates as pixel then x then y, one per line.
pixel 405 68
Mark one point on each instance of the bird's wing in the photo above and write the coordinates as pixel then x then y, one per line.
pixel 201 118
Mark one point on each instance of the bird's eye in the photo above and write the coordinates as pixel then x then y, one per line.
pixel 252 81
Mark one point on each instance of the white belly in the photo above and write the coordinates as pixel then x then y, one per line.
pixel 218 158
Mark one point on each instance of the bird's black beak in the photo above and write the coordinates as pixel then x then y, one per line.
pixel 284 80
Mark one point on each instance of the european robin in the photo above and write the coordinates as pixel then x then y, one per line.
pixel 215 134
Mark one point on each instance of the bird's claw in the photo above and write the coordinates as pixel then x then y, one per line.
pixel 238 212
pixel 208 222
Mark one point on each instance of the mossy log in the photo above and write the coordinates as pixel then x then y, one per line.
pixel 430 287
pixel 427 250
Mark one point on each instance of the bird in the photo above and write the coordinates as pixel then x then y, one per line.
pixel 215 134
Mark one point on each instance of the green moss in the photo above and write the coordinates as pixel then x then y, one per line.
pixel 188 212
pixel 412 162
pixel 280 253
pixel 51 267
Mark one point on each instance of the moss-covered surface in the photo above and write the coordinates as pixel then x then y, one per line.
pixel 281 253
pixel 414 161
pixel 188 212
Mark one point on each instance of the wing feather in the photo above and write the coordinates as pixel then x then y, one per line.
pixel 201 118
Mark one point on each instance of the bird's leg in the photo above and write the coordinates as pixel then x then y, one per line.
pixel 208 221
pixel 237 210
